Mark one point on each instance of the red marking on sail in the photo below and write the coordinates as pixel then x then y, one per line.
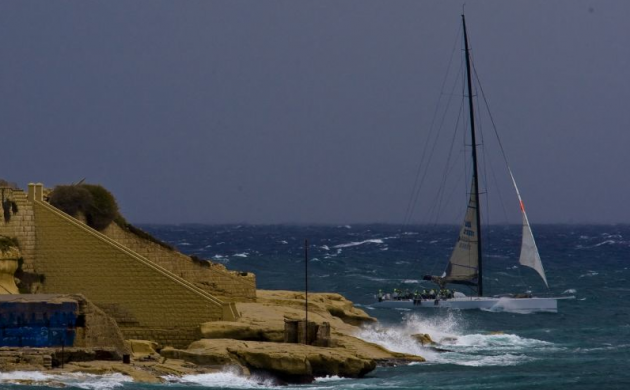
pixel 522 206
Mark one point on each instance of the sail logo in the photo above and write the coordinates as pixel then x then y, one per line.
pixel 468 224
pixel 469 233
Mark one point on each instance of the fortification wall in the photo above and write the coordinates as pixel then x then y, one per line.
pixel 21 226
pixel 230 286
pixel 146 300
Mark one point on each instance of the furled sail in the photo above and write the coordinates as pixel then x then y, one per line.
pixel 464 263
pixel 529 251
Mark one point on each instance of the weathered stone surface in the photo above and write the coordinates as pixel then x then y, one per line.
pixel 142 348
pixel 288 361
pixel 240 331
pixel 8 266
pixel 423 339
pixel 334 304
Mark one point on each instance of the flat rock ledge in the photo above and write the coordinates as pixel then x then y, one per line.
pixel 295 363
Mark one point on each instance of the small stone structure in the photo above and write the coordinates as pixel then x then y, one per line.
pixel 54 320
pixel 316 334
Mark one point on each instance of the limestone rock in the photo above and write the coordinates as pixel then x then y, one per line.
pixel 448 340
pixel 8 265
pixel 423 339
pixel 241 331
pixel 291 362
pixel 142 348
pixel 332 303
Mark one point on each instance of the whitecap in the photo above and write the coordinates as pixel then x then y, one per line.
pixel 569 291
pixel 330 378
pixel 283 242
pixel 221 258
pixel 411 281
pixel 356 243
pixel 496 360
pixel 244 254
pixel 325 247
pixel 225 379
pixel 80 380
pixel 607 242
pixel 457 347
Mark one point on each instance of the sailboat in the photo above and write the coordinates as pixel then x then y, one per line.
pixel 465 266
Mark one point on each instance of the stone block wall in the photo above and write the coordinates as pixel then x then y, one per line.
pixel 147 301
pixel 230 286
pixel 21 226
pixel 99 329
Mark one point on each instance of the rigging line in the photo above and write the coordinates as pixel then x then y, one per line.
pixel 416 186
pixel 449 164
pixel 494 126
pixel 435 209
pixel 433 149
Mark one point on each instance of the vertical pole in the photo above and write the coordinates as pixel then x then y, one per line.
pixel 306 291
pixel 474 156
pixel 63 346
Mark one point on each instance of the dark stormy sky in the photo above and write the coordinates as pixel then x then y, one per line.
pixel 309 111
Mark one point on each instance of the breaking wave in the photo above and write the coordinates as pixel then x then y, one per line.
pixel 453 344
pixel 351 244
pixel 224 379
pixel 79 380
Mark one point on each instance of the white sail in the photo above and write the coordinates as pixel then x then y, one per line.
pixel 529 251
pixel 464 263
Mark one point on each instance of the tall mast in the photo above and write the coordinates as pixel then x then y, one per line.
pixel 474 156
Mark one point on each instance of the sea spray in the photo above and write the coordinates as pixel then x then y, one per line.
pixel 399 338
pixel 454 344
pixel 228 378
pixel 77 380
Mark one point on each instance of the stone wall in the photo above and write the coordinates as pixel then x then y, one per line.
pixel 21 226
pixel 230 286
pixel 99 329
pixel 147 301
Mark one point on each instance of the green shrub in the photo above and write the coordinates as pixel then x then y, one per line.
pixel 71 199
pixel 94 201
pixel 103 209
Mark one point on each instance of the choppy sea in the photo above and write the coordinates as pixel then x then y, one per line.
pixel 586 345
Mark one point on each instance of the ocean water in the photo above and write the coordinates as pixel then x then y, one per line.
pixel 586 345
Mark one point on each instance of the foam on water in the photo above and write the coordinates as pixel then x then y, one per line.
pixel 331 378
pixel 225 379
pixel 357 243
pixel 455 346
pixel 82 381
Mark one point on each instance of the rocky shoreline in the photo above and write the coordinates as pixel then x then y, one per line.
pixel 254 345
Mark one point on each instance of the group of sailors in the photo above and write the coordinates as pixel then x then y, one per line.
pixel 399 295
